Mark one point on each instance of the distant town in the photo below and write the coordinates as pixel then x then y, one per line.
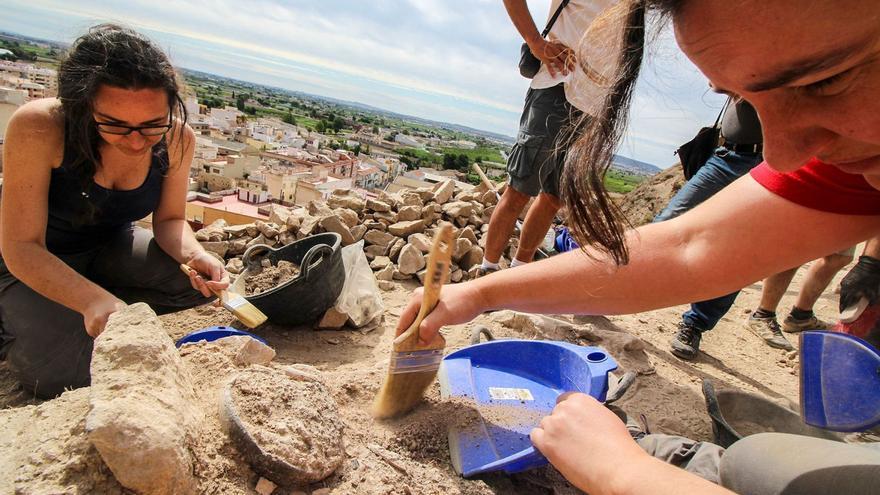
pixel 258 146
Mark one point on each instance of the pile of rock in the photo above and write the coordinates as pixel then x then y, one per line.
pixel 396 228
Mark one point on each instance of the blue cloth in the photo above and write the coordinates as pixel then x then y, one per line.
pixel 720 170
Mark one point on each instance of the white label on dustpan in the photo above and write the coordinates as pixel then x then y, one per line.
pixel 236 302
pixel 503 393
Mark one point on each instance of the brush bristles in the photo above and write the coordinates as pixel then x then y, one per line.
pixel 245 311
pixel 401 392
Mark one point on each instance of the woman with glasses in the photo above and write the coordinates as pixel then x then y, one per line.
pixel 113 148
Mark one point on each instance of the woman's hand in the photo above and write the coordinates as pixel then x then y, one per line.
pixel 588 444
pixel 459 303
pixel 205 264
pixel 558 58
pixel 98 312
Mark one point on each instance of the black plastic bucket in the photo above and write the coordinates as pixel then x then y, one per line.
pixel 305 298
pixel 736 414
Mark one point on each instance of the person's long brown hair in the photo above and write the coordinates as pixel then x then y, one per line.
pixel 594 218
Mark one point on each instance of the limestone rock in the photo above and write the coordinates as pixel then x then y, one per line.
pixel 213 232
pixel 260 239
pixel 378 238
pixel 279 214
pixel 409 213
pixel 237 246
pixel 358 232
pixel 270 230
pixel 372 251
pixel 235 266
pixel 333 319
pixel 489 198
pixel 411 198
pixel 380 262
pixel 344 198
pixel 334 224
pixel 376 205
pixel 386 273
pixel 142 404
pixel 308 226
pixel 389 217
pixel 219 248
pixel 458 209
pixel 456 275
pixel 394 249
pixel 405 229
pixel 411 260
pixel 386 285
pixel 348 217
pixel 462 247
pixel 443 191
pixel 474 257
pixel 374 225
pixel 398 275
pixel 421 242
pixel 235 231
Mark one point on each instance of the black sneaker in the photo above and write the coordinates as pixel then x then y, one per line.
pixel 686 343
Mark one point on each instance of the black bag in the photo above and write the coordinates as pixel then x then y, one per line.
pixel 694 153
pixel 529 65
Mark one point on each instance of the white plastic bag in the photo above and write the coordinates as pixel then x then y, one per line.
pixel 360 301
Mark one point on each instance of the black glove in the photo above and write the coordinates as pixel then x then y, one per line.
pixel 862 281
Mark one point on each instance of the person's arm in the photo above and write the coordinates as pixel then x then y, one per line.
pixel 863 280
pixel 34 140
pixel 740 235
pixel 556 56
pixel 592 448
pixel 170 228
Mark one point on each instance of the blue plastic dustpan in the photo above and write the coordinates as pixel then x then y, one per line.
pixel 512 384
pixel 211 334
pixel 840 381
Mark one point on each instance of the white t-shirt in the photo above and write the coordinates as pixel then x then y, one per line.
pixel 596 44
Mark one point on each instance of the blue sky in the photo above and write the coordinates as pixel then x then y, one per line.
pixel 447 60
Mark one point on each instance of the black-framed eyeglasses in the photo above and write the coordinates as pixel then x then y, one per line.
pixel 125 130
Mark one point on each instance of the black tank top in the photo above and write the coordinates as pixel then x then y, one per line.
pixel 67 231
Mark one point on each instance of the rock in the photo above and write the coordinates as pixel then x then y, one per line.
pixel 401 276
pixel 345 198
pixel 462 247
pixel 461 221
pixel 252 231
pixel 489 198
pixel 443 191
pixel 374 225
pixel 333 319
pixel 235 266
pixel 348 217
pixel 308 226
pixel 358 232
pixel 405 229
pixel 376 205
pixel 270 230
pixel 279 214
pixel 472 272
pixel 247 350
pixel 213 232
pixel 421 242
pixel 456 275
pixel 296 217
pixel 411 260
pixel 409 213
pixel 378 238
pixel 458 209
pixel 389 217
pixel 380 262
pixel 260 239
pixel 429 211
pixel 394 250
pixel 142 404
pixel 386 273
pixel 265 487
pixel 218 248
pixel 238 246
pixel 476 221
pixel 469 234
pixel 391 199
pixel 386 285
pixel 425 193
pixel 334 224
pixel 487 214
pixel 235 231
pixel 474 257
pixel 286 238
pixel 411 198
pixel 373 251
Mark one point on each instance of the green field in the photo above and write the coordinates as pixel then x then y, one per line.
pixel 619 182
pixel 486 153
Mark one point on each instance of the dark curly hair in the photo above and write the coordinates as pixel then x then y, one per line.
pixel 115 56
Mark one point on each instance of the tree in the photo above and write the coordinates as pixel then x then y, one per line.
pixel 375 129
pixel 462 162
pixel 357 149
pixel 337 124
pixel 239 103
pixel 479 160
pixel 289 119
pixel 320 126
pixel 449 161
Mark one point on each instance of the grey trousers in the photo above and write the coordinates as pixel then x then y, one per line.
pixel 46 344
pixel 775 463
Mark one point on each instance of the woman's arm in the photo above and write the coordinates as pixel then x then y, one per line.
pixel 170 228
pixel 736 237
pixel 34 142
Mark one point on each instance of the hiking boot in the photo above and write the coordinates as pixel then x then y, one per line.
pixel 793 325
pixel 768 329
pixel 686 343
pixel 482 272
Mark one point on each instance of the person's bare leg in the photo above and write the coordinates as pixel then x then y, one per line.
pixel 538 221
pixel 774 288
pixel 817 278
pixel 503 221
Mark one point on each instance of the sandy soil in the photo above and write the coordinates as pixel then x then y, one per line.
pixel 410 455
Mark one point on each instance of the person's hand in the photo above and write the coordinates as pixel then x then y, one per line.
pixel 862 281
pixel 96 315
pixel 459 303
pixel 558 58
pixel 587 443
pixel 207 265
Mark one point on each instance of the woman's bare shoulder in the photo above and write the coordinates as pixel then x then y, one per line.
pixel 39 126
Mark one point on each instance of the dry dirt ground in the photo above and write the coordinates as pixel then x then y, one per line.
pixel 410 455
